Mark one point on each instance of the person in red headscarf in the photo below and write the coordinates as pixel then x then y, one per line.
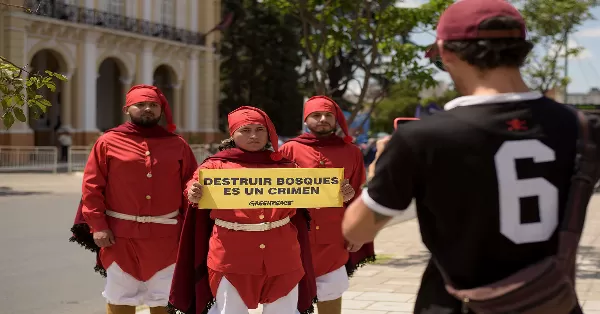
pixel 238 268
pixel 333 258
pixel 131 208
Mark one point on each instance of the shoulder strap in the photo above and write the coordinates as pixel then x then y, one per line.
pixel 583 180
pixel 581 190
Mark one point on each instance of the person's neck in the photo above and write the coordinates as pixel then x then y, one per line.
pixel 322 135
pixel 498 81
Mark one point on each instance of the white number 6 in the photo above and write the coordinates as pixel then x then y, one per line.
pixel 511 190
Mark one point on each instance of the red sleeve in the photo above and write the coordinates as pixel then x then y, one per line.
pixel 209 164
pixel 286 151
pixel 95 176
pixel 188 172
pixel 359 176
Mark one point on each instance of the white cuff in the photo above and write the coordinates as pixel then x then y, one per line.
pixel 378 208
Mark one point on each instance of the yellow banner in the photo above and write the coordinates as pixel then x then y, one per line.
pixel 270 188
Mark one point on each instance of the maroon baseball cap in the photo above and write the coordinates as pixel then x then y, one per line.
pixel 461 21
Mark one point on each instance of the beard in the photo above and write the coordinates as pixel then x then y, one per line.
pixel 325 130
pixel 145 121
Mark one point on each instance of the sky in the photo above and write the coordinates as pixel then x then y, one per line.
pixel 584 70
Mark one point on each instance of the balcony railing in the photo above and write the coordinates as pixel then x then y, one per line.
pixel 81 15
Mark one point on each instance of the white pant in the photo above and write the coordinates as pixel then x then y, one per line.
pixel 229 301
pixel 332 286
pixel 123 289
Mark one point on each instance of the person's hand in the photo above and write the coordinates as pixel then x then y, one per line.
pixel 352 247
pixel 104 238
pixel 195 193
pixel 346 190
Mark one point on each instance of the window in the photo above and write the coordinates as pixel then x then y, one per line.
pixel 168 12
pixel 116 7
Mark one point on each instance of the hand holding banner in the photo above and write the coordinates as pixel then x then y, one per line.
pixel 270 188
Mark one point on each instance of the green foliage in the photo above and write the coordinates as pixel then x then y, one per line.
pixel 402 101
pixel 549 25
pixel 260 56
pixel 441 100
pixel 366 41
pixel 17 92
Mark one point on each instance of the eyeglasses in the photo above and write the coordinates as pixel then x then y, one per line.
pixel 434 57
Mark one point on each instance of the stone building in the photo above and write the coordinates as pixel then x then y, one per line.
pixel 104 47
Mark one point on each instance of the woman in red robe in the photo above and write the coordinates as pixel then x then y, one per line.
pixel 239 269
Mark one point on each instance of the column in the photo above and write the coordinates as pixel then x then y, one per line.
pixel 89 4
pixel 146 9
pixel 66 102
pixel 145 69
pixel 131 9
pixel 194 16
pixel 191 90
pixel 180 7
pixel 88 83
pixel 208 99
pixel 177 106
pixel 14 50
pixel 126 83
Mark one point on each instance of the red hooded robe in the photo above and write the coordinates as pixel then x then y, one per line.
pixel 198 271
pixel 309 151
pixel 163 157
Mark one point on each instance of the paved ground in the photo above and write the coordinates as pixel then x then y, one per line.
pixel 37 260
pixel 40 271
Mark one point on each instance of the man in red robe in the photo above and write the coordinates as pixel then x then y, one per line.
pixel 133 202
pixel 333 258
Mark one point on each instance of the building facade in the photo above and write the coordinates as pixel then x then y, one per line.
pixel 104 47
pixel 588 102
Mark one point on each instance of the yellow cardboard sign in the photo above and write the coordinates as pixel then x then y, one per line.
pixel 270 188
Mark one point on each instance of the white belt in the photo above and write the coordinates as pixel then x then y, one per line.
pixel 163 220
pixel 252 227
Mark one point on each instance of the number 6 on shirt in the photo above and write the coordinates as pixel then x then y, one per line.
pixel 511 189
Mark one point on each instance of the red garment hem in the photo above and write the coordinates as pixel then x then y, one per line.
pixel 328 257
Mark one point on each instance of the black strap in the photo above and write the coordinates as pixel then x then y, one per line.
pixel 582 188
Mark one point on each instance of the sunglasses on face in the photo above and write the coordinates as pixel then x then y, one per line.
pixel 434 57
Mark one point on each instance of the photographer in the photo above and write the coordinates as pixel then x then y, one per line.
pixel 491 175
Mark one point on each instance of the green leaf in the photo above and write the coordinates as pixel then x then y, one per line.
pixel 8 119
pixel 19 114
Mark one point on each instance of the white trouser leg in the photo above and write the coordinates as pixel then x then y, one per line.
pixel 332 286
pixel 121 288
pixel 284 305
pixel 158 287
pixel 228 300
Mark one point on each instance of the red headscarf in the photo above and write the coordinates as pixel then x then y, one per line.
pixel 324 103
pixel 142 93
pixel 250 115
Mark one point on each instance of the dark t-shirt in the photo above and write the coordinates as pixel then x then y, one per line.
pixel 490 177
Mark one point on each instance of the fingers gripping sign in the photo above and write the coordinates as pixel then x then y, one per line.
pixel 195 193
pixel 346 190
